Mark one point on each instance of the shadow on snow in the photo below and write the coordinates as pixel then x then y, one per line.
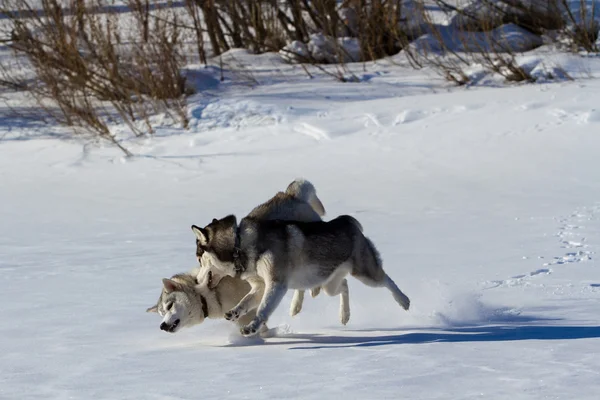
pixel 522 328
pixel 457 335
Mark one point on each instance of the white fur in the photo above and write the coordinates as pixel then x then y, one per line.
pixel 218 268
pixel 187 306
pixel 200 236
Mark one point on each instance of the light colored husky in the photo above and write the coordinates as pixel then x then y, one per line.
pixel 275 256
pixel 184 303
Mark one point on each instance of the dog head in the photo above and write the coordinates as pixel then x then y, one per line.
pixel 215 245
pixel 178 304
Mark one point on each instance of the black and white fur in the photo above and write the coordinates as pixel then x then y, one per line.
pixel 274 256
pixel 215 243
pixel 182 295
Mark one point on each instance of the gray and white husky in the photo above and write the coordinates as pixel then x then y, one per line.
pixel 276 255
pixel 199 286
pixel 215 243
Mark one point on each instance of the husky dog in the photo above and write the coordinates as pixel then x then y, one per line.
pixel 215 243
pixel 184 303
pixel 298 255
pixel 198 289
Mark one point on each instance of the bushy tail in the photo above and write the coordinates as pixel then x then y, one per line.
pixel 398 295
pixel 351 220
pixel 305 191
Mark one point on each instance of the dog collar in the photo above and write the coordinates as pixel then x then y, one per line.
pixel 237 252
pixel 203 302
pixel 204 305
pixel 236 245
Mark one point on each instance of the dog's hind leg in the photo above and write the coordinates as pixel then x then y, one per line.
pixel 387 282
pixel 368 268
pixel 398 295
pixel 297 301
pixel 338 285
pixel 274 293
pixel 344 303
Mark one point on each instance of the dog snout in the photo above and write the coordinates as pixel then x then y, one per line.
pixel 169 328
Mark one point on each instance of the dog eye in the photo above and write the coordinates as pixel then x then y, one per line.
pixel 168 307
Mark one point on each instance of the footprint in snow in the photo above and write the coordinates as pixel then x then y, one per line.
pixel 408 116
pixel 569 238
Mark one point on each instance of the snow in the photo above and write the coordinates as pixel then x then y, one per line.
pixel 492 13
pixel 506 38
pixel 323 49
pixel 484 203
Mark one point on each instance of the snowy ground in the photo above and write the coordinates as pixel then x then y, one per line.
pixel 484 202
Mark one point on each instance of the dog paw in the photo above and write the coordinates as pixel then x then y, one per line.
pixel 232 315
pixel 344 317
pixel 252 328
pixel 405 303
pixel 249 330
pixel 295 308
pixel 314 292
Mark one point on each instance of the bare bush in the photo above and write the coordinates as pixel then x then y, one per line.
pixel 91 68
pixel 484 15
pixel 268 25
pixel 452 53
pixel 491 33
pixel 575 20
pixel 581 25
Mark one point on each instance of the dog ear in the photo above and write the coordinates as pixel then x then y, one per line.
pixel 214 221
pixel 170 285
pixel 153 309
pixel 201 234
pixel 230 221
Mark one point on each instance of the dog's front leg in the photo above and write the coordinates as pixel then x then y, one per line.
pixel 249 302
pixel 297 301
pixel 274 293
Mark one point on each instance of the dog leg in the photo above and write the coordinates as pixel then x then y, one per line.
pixel 344 303
pixel 248 302
pixel 314 292
pixel 338 285
pixel 388 283
pixel 297 301
pixel 400 297
pixel 274 293
pixel 263 332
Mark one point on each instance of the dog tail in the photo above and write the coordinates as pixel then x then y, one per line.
pixel 353 221
pixel 304 190
pixel 373 252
